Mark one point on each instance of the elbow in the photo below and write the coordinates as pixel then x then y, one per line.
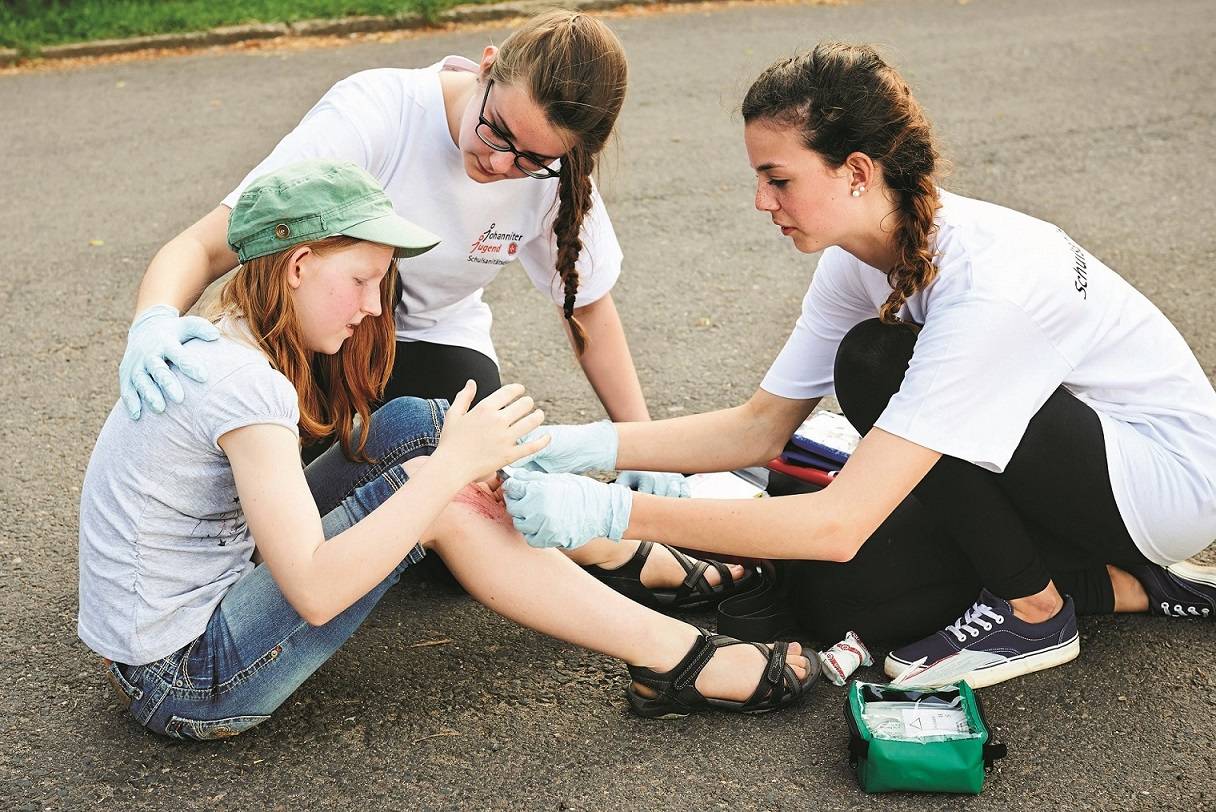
pixel 764 436
pixel 769 440
pixel 316 619
pixel 773 450
pixel 843 552
pixel 843 545
pixel 762 444
pixel 313 613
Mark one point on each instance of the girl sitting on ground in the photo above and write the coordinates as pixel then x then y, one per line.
pixel 1048 414
pixel 199 640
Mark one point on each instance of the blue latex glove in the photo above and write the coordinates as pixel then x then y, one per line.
pixel 656 482
pixel 566 510
pixel 573 449
pixel 156 337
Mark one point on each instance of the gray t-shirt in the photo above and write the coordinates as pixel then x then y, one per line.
pixel 162 533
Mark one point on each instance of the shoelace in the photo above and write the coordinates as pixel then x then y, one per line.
pixel 974 615
pixel 1184 609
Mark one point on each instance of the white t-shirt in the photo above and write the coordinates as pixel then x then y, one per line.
pixel 392 122
pixel 1018 309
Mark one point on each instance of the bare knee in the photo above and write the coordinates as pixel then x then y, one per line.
pixel 412 465
pixel 466 518
pixel 484 501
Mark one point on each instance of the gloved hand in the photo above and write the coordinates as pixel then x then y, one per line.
pixel 573 449
pixel 656 482
pixel 156 336
pixel 566 510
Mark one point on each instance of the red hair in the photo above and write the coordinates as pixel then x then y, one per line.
pixel 332 389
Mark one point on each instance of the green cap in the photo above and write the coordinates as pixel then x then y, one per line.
pixel 315 199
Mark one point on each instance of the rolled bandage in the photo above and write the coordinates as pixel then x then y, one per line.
pixel 842 659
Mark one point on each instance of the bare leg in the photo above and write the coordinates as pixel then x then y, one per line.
pixel 1129 597
pixel 544 590
pixel 1039 607
pixel 1129 592
pixel 661 570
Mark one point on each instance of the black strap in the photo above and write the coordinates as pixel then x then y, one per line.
pixel 694 579
pixel 694 662
pixel 761 614
pixel 993 751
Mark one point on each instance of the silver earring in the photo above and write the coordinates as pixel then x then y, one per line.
pixel 856 193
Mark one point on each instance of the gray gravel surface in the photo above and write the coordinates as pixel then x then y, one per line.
pixel 1095 115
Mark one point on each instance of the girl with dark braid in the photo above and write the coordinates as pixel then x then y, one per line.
pixel 496 159
pixel 1052 421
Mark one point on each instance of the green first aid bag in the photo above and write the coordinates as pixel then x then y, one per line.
pixel 919 740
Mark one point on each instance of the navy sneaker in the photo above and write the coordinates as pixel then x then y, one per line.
pixel 1179 590
pixel 987 645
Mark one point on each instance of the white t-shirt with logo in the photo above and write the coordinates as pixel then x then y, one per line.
pixel 1018 309
pixel 392 122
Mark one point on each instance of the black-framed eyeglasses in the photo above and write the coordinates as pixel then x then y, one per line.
pixel 534 166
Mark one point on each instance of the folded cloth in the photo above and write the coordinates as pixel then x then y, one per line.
pixel 828 435
pixel 793 455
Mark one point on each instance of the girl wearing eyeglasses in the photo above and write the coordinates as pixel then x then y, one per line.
pixel 495 158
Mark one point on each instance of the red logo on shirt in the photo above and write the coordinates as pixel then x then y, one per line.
pixel 489 245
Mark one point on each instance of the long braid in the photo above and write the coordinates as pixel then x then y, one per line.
pixel 573 67
pixel 912 159
pixel 914 269
pixel 574 201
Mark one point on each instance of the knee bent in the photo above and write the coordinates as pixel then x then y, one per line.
pixel 872 348
pixel 870 365
pixel 462 521
pixel 407 420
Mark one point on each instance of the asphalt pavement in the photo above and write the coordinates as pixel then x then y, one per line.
pixel 1095 115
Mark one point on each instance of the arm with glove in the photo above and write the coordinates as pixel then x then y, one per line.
pixel 749 434
pixel 593 447
pixel 175 278
pixel 565 510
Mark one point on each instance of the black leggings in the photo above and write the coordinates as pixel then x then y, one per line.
pixel 1051 515
pixel 425 370
pixel 907 581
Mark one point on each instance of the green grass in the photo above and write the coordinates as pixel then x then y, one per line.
pixel 29 25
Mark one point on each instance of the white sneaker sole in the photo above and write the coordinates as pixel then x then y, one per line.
pixel 1198 573
pixel 997 672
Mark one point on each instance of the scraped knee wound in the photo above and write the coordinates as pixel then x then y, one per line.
pixel 484 502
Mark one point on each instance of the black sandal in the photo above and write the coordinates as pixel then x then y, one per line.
pixel 695 593
pixel 676 693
